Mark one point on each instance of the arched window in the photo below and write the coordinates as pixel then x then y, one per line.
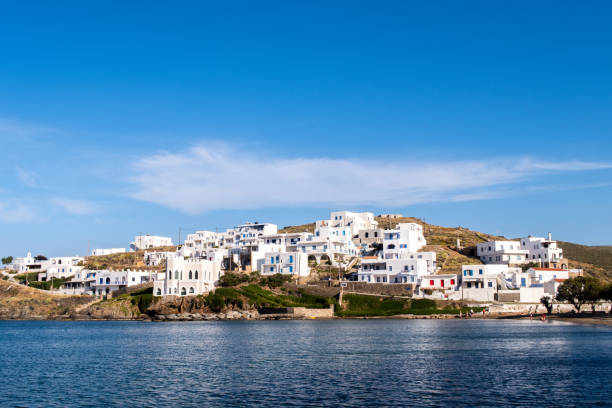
pixel 107 281
pixel 158 292
pixel 191 290
pixel 196 275
pixel 176 275
pixel 183 292
pixel 169 274
pixel 190 275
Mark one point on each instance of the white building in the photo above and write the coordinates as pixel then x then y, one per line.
pixel 104 282
pixel 404 238
pixel 285 263
pixel 501 252
pixel 368 237
pixel 107 251
pixel 149 241
pixel 400 261
pixel 544 251
pixel 154 258
pixel 187 277
pixel 22 264
pixel 481 282
pixel 439 286
pixel 356 221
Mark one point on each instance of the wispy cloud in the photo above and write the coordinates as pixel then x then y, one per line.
pixel 27 177
pixel 15 128
pixel 76 207
pixel 11 212
pixel 219 176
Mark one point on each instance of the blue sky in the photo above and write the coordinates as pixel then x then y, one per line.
pixel 118 119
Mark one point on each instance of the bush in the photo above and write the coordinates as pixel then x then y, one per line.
pixel 230 279
pixel 143 301
pixel 423 304
pixel 215 301
pixel 276 280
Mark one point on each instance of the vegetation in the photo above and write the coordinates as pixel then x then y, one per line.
pixel 580 290
pixel 28 276
pixel 7 260
pixel 256 296
pixel 368 305
pixel 142 298
pixel 56 282
pixel 275 281
pixel 230 279
pixel 547 302
pixel 599 258
pixel 40 258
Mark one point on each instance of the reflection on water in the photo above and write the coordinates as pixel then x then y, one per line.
pixel 304 363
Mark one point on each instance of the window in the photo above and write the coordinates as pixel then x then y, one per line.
pixel 480 271
pixel 271 269
pixel 291 269
pixel 452 281
pixel 272 260
pixel 290 258
pixel 390 268
pixel 183 292
pixel 191 290
pixel 431 282
pixel 176 275
pixel 196 275
pixel 469 284
pixel 490 284
pixel 158 292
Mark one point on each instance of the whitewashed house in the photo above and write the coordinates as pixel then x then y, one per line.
pixel 187 277
pixel 149 241
pixel 502 252
pixel 544 251
pixel 285 263
pixel 400 261
pixel 154 258
pixel 438 286
pixel 404 238
pixel 104 282
pixel 22 264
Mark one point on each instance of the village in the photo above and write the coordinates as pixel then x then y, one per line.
pixel 505 275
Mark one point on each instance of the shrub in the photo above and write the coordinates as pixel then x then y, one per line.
pixel 423 304
pixel 230 279
pixel 276 280
pixel 215 301
pixel 143 301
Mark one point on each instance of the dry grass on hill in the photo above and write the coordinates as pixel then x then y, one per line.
pixel 298 228
pixel 127 260
pixel 22 302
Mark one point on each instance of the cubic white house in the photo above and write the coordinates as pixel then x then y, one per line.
pixel 149 241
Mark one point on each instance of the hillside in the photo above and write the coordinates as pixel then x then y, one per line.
pixel 23 302
pixel 127 260
pixel 595 260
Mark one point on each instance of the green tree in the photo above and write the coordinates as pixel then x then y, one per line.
pixel 547 302
pixel 7 260
pixel 606 294
pixel 579 290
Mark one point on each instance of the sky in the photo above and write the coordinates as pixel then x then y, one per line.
pixel 125 118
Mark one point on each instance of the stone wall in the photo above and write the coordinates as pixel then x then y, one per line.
pixel 314 313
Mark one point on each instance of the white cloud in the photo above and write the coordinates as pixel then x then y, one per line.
pixel 11 128
pixel 77 207
pixel 26 177
pixel 206 178
pixel 15 212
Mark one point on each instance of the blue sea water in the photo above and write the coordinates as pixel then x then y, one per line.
pixel 304 363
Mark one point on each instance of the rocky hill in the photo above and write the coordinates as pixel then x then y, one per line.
pixel 126 260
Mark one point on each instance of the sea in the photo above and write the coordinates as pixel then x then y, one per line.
pixel 298 363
